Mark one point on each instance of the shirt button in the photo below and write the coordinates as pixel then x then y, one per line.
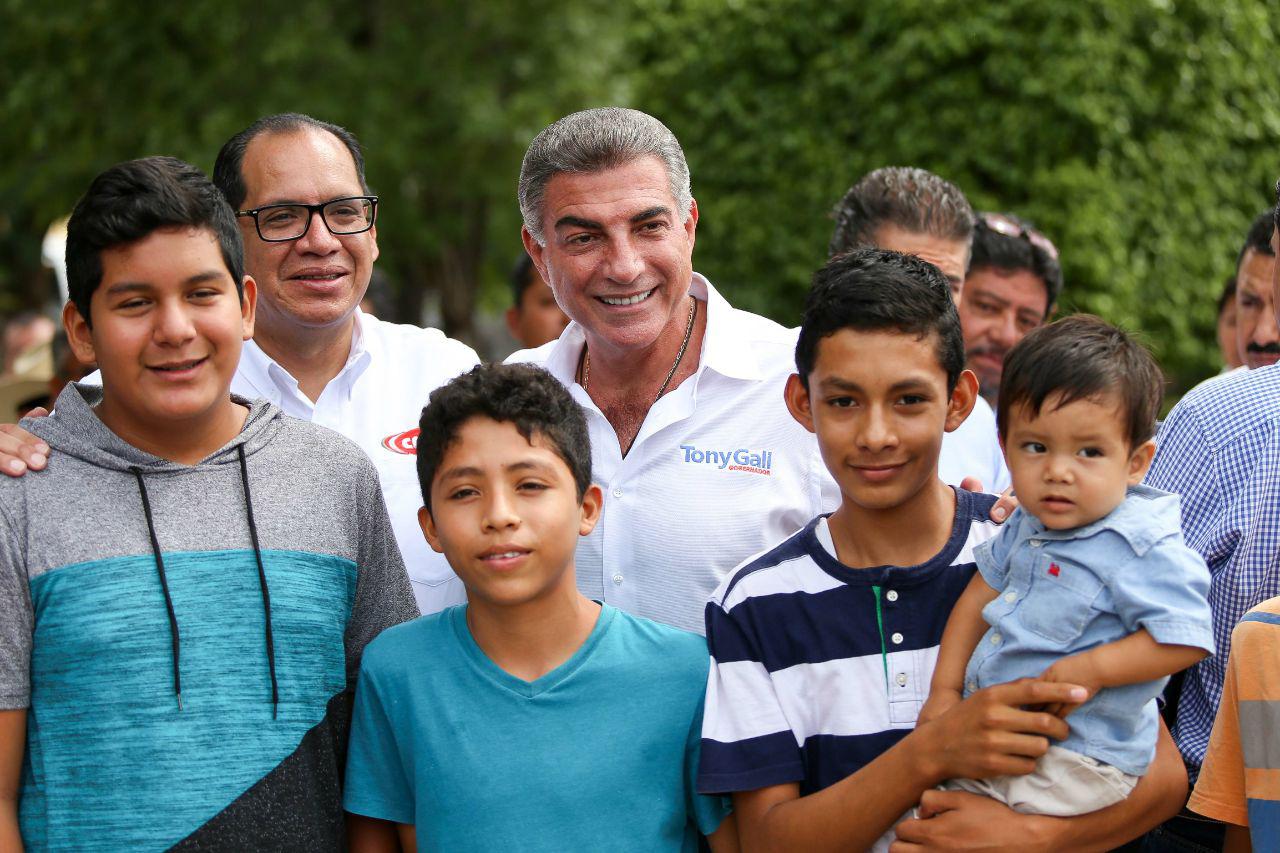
pixel 891 595
pixel 902 679
pixel 897 639
pixel 1035 543
pixel 1011 597
pixel 972 685
pixel 617 579
pixel 995 639
pixel 617 493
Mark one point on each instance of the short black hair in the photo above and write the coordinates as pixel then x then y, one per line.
pixel 912 199
pixel 872 290
pixel 523 275
pixel 1009 253
pixel 528 397
pixel 1258 238
pixel 227 169
pixel 1082 358
pixel 1228 294
pixel 132 199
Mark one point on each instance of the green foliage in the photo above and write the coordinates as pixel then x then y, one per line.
pixel 444 96
pixel 1141 136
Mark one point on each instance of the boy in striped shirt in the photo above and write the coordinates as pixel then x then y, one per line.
pixel 823 647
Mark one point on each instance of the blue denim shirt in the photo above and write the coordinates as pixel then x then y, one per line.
pixel 1066 591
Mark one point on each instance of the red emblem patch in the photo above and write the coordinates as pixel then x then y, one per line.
pixel 1053 569
pixel 404 442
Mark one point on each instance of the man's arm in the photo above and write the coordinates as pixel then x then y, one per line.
pixel 965 627
pixel 956 820
pixel 13 743
pixel 987 734
pixel 1130 660
pixel 20 450
pixel 1237 840
pixel 371 835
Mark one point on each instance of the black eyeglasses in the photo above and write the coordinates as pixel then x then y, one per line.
pixel 1002 224
pixel 279 223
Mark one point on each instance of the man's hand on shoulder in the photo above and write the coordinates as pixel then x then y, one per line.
pixel 20 450
pixel 1003 508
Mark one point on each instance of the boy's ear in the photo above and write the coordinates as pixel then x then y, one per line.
pixel 428 525
pixel 798 402
pixel 1140 461
pixel 249 305
pixel 592 503
pixel 962 400
pixel 79 335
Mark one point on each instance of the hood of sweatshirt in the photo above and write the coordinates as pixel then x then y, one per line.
pixel 75 429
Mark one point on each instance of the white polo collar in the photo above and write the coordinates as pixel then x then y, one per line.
pixel 268 377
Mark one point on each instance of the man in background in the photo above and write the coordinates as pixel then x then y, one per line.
pixel 534 317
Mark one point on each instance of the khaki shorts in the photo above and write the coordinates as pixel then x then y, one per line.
pixel 1064 783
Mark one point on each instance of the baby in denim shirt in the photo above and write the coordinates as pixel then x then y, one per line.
pixel 1089 581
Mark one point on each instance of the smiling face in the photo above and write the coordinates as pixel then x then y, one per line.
pixel 505 513
pixel 618 256
pixel 318 279
pixel 168 325
pixel 879 406
pixel 998 309
pixel 1071 464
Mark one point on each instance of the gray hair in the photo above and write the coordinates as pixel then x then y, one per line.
pixel 593 141
pixel 912 199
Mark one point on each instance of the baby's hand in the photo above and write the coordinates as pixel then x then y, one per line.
pixel 940 701
pixel 1075 669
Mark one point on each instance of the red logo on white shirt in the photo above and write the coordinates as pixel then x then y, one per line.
pixel 404 442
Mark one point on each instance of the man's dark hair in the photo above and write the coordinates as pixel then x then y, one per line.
pixel 528 397
pixel 873 290
pixel 1228 294
pixel 910 198
pixel 1012 253
pixel 129 201
pixel 523 275
pixel 1259 237
pixel 1082 358
pixel 227 171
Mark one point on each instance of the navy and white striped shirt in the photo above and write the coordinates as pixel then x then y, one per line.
pixel 1220 450
pixel 818 668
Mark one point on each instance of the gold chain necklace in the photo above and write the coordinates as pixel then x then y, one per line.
pixel 684 344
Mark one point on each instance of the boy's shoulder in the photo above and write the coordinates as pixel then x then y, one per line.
pixel 778 568
pixel 652 642
pixel 397 650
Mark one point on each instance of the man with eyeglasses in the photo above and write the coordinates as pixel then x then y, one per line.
pixel 309 224
pixel 1012 287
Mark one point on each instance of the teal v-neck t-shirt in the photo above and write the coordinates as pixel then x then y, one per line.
pixel 601 753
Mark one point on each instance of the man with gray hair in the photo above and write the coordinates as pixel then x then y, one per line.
pixel 700 462
pixel 913 211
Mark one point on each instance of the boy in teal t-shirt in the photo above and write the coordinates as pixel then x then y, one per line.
pixel 531 718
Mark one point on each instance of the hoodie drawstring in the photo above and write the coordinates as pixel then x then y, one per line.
pixel 262 582
pixel 168 600
pixel 164 585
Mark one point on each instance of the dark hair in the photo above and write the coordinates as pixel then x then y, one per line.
pixel 1082 358
pixel 911 198
pixel 1227 295
pixel 227 172
pixel 129 201
pixel 1010 253
pixel 523 275
pixel 1258 237
pixel 526 396
pixel 872 290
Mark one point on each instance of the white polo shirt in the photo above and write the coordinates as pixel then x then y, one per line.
pixel 376 401
pixel 720 470
pixel 973 450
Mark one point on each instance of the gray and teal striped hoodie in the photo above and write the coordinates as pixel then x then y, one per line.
pixel 186 639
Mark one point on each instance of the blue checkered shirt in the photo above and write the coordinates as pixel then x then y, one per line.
pixel 1220 450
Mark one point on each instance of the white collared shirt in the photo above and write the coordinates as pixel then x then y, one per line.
pixel 376 401
pixel 719 471
pixel 973 450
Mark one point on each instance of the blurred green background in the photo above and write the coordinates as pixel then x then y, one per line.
pixel 1141 136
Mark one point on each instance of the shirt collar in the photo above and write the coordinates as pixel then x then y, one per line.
pixel 1145 517
pixel 724 349
pixel 263 371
